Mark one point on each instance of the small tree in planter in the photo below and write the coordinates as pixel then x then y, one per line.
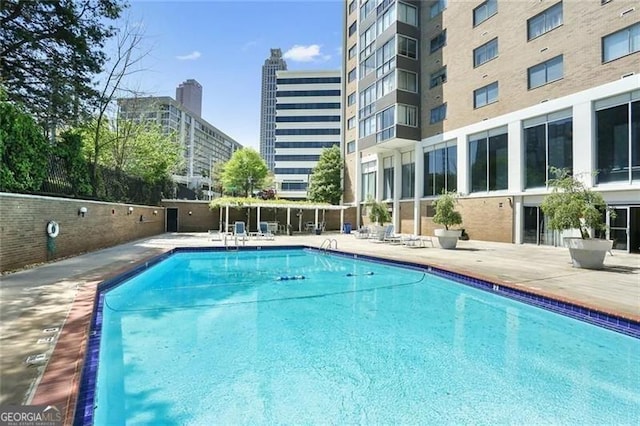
pixel 573 206
pixel 378 212
pixel 447 216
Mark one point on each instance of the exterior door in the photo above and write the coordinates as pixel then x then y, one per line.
pixel 172 219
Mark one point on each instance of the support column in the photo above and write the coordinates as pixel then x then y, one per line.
pixel 341 220
pixel 397 189
pixel 316 227
pixel 226 222
pixel 288 220
pixel 418 188
pixel 258 218
pixel 379 177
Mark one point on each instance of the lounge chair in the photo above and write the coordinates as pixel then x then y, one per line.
pixel 264 232
pixel 239 231
pixel 416 241
pixel 383 233
pixel 362 233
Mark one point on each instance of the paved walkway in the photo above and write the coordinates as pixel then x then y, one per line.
pixel 39 299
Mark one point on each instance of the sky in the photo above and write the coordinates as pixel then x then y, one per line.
pixel 223 45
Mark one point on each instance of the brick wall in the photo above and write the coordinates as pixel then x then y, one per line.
pixel 484 219
pixel 24 219
pixel 202 218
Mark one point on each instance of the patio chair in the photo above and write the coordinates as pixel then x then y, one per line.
pixel 362 233
pixel 264 232
pixel 239 231
pixel 383 233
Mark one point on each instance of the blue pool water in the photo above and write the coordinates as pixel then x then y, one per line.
pixel 219 338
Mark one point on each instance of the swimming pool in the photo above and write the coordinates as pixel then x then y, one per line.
pixel 228 337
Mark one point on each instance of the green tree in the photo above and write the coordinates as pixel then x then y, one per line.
pixel 50 50
pixel 378 211
pixel 24 149
pixel 446 213
pixel 325 185
pixel 244 171
pixel 68 149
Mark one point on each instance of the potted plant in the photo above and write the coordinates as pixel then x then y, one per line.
pixel 572 206
pixel 447 215
pixel 378 213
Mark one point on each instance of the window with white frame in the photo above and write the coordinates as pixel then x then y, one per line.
pixel 367 40
pixel 368 180
pixel 351 122
pixel 367 101
pixel 368 126
pixel 544 22
pixel 485 95
pixel 408 174
pixel 407 81
pixel 408 115
pixel 407 14
pixel 440 168
pixel 546 72
pixel 386 57
pixel 351 146
pixel 621 43
pixel 385 124
pixel 366 7
pixel 386 85
pixel 437 78
pixel 367 66
pixel 436 8
pixel 407 47
pixel 353 6
pixel 438 114
pixel 387 18
pixel 485 53
pixel 438 41
pixel 387 178
pixel 548 142
pixel 484 11
pixel 351 99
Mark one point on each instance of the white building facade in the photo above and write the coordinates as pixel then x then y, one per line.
pixel 307 121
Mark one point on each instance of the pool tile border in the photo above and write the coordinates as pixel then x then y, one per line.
pixel 84 413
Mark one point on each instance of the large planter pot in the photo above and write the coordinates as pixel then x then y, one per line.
pixel 588 254
pixel 447 238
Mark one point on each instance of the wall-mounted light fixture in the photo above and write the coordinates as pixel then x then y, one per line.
pixel 82 211
pixel 190 212
pixel 155 212
pixel 130 210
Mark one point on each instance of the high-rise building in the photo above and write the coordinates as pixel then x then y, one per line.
pixel 307 120
pixel 483 98
pixel 204 144
pixel 268 105
pixel 189 94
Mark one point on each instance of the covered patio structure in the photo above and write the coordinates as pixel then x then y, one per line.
pixel 292 209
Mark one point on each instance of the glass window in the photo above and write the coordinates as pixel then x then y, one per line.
pixel 407 14
pixel 488 163
pixel 485 95
pixel 408 175
pixel 549 144
pixel 407 47
pixel 352 6
pixel 387 18
pixel 621 43
pixel 352 28
pixel 385 122
pixel 387 178
pixel 367 101
pixel 437 78
pixel 485 53
pixel 408 115
pixel 440 169
pixel 352 51
pixel 368 180
pixel 385 57
pixel 437 8
pixel 351 122
pixel 485 11
pixel 618 143
pixel 438 41
pixel 438 114
pixel 408 81
pixel 351 99
pixel 386 85
pixel 368 126
pixel 545 21
pixel 367 66
pixel 352 75
pixel 366 8
pixel 367 42
pixel 546 72
pixel 351 147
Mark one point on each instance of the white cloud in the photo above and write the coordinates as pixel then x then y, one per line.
pixel 311 53
pixel 189 57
